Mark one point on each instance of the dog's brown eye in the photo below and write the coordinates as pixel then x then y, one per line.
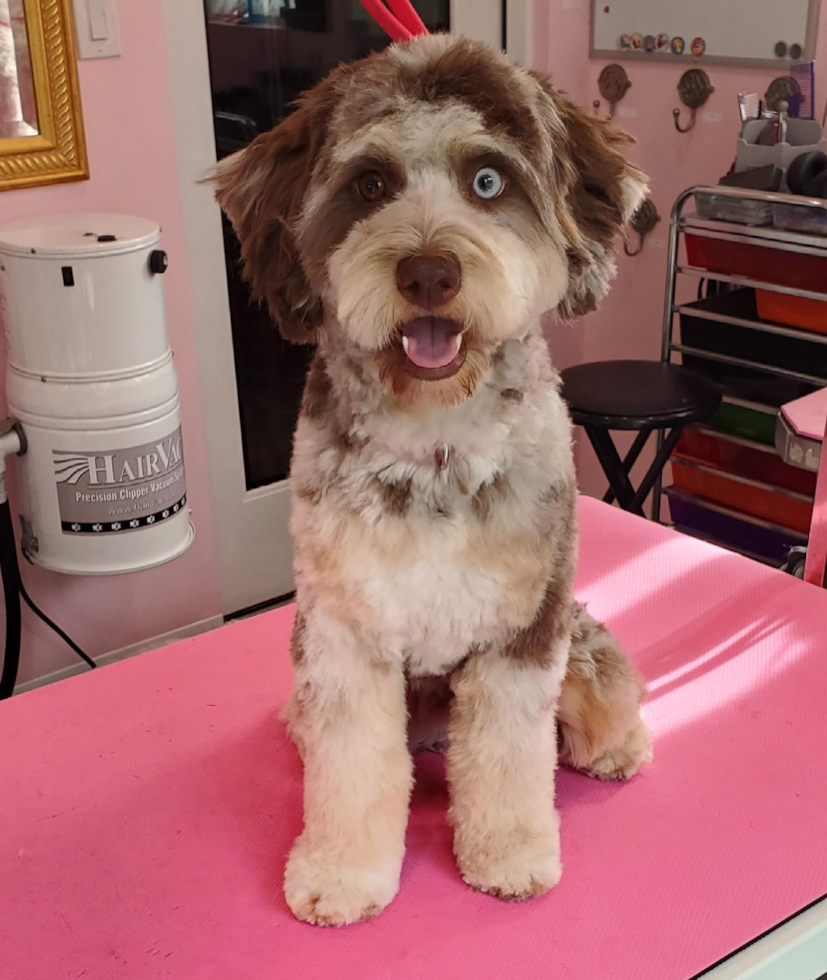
pixel 371 187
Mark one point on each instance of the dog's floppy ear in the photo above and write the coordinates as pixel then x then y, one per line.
pixel 261 190
pixel 597 191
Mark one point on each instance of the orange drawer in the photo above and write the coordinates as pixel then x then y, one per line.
pixel 795 311
pixel 756 501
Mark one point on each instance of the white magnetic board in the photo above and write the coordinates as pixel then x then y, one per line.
pixel 742 32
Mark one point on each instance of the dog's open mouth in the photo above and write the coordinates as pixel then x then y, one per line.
pixel 433 346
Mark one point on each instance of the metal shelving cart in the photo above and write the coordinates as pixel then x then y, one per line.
pixel 760 359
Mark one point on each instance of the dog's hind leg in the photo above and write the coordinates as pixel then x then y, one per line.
pixel 600 727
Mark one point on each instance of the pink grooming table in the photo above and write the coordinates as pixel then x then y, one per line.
pixel 146 809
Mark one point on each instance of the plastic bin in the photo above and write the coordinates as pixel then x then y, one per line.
pixel 791 217
pixel 803 136
pixel 795 311
pixel 770 542
pixel 763 502
pixel 764 465
pixel 716 207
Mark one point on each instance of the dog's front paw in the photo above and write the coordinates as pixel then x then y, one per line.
pixel 513 869
pixel 329 892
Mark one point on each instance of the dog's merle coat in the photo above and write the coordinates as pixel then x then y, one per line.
pixel 434 510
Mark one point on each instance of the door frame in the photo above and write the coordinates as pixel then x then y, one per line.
pixel 254 566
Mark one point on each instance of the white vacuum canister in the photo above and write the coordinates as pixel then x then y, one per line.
pixel 92 383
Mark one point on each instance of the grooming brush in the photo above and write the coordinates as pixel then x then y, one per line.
pixel 803 106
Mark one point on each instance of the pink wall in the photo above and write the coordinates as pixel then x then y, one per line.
pixel 629 322
pixel 132 158
pixel 128 121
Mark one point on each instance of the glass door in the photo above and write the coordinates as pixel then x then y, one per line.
pixel 254 58
pixel 263 54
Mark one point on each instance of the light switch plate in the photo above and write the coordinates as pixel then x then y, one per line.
pixel 97 27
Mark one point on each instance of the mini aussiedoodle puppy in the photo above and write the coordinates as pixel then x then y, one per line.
pixel 415 218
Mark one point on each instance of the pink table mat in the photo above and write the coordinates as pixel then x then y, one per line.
pixel 146 809
pixel 807 416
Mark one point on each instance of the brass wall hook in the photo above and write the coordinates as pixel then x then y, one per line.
pixel 676 115
pixel 643 221
pixel 694 89
pixel 612 84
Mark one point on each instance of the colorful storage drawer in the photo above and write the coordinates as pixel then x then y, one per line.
pixel 804 355
pixel 795 311
pixel 746 498
pixel 782 268
pixel 763 465
pixel 745 534
pixel 746 423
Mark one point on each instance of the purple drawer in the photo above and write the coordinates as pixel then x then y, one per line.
pixel 769 541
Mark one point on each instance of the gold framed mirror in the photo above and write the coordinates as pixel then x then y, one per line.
pixel 41 126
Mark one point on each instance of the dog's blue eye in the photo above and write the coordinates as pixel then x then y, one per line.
pixel 488 183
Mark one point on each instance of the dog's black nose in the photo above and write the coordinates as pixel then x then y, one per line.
pixel 428 281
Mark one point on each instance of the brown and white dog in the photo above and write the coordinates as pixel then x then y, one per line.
pixel 414 218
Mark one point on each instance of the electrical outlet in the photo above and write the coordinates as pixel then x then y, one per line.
pixel 626 112
pixel 98 31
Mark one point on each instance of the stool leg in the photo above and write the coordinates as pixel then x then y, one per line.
pixel 657 490
pixel 610 460
pixel 630 459
pixel 655 470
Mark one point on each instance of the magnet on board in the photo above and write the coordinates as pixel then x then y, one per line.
pixel 624 42
pixel 662 42
pixel 795 51
pixel 677 45
pixel 649 43
pixel 697 47
pixel 637 42
pixel 780 49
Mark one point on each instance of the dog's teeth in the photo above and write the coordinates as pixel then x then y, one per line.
pixel 459 342
pixel 405 343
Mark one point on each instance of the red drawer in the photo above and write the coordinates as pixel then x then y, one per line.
pixel 754 464
pixel 755 262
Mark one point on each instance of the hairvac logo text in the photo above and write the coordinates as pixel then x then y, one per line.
pixel 120 490
pixel 115 468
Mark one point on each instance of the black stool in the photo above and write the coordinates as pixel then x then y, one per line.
pixel 641 396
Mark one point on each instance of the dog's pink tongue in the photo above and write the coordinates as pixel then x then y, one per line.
pixel 431 342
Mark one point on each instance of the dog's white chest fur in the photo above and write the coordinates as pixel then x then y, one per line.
pixel 432 599
pixel 426 537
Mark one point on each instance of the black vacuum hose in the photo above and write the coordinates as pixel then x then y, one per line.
pixel 11 595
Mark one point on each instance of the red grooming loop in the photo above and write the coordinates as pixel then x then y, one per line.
pixel 401 22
